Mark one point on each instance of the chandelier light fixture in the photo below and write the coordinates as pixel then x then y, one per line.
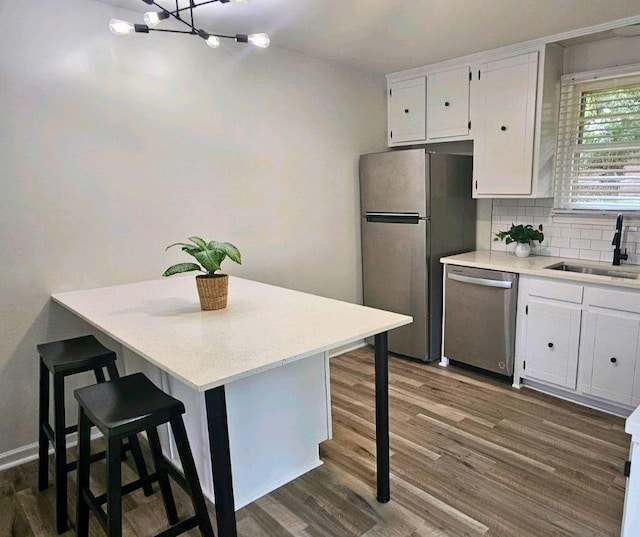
pixel 184 15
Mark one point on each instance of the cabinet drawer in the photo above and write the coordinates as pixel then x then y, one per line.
pixel 616 300
pixel 565 292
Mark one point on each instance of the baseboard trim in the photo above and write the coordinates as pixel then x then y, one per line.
pixel 25 454
pixel 602 406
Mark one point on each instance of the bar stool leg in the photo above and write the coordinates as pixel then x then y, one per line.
pixel 60 445
pixel 138 459
pixel 43 439
pixel 99 375
pixel 114 488
pixel 134 443
pixel 84 463
pixel 112 369
pixel 163 479
pixel 101 378
pixel 191 476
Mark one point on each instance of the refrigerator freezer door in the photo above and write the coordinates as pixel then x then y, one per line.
pixel 395 279
pixel 394 181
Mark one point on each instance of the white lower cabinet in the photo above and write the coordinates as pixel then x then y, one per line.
pixel 609 354
pixel 582 341
pixel 553 338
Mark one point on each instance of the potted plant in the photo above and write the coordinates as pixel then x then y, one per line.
pixel 523 235
pixel 212 287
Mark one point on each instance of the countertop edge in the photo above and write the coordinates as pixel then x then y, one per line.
pixel 536 266
pixel 632 424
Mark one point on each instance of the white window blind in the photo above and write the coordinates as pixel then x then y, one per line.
pixel 598 155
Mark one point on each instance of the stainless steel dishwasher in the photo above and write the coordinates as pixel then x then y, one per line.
pixel 480 318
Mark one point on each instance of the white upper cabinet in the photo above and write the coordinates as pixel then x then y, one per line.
pixel 407 111
pixel 503 148
pixel 448 103
pixel 430 108
pixel 515 119
pixel 506 102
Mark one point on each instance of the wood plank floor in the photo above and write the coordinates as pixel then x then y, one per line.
pixel 470 456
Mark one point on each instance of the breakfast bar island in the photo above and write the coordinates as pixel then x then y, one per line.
pixel 253 376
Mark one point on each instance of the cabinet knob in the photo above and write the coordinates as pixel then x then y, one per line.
pixel 550 345
pixel 446 103
pixel 614 360
pixel 406 110
pixel 503 128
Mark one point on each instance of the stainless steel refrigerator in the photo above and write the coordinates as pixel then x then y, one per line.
pixel 416 207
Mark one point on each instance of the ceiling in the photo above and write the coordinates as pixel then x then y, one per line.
pixel 384 36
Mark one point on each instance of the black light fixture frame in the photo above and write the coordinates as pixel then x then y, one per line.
pixel 188 21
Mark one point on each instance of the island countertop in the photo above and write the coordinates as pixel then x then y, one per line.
pixel 262 327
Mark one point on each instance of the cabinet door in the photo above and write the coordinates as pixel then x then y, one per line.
pixel 407 111
pixel 503 147
pixel 552 342
pixel 448 103
pixel 609 351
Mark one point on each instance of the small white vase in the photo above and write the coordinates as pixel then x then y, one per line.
pixel 523 249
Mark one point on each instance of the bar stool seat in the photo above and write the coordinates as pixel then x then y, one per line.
pixel 121 408
pixel 61 359
pixel 75 355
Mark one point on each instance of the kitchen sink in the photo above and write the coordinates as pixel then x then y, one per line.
pixel 597 271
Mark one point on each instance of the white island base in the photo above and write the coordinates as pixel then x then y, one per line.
pixel 276 418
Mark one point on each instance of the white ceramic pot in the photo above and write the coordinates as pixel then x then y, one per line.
pixel 523 249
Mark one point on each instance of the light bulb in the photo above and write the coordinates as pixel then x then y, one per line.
pixel 119 27
pixel 213 41
pixel 153 18
pixel 259 40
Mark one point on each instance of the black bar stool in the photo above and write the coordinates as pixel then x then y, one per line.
pixel 61 359
pixel 121 408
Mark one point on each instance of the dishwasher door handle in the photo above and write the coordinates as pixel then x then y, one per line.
pixel 502 284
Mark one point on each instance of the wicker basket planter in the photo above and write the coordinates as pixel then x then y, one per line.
pixel 213 291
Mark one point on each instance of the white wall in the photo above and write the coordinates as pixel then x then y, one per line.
pixel 602 54
pixel 112 148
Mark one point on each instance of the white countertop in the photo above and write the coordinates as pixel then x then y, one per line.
pixel 262 327
pixel 534 265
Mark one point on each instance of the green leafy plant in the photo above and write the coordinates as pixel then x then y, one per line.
pixel 208 254
pixel 520 233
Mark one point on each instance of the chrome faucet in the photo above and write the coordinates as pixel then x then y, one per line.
pixel 617 238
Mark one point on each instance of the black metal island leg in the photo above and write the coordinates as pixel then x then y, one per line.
pixel 218 431
pixel 382 416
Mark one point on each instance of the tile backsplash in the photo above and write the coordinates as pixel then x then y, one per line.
pixel 584 241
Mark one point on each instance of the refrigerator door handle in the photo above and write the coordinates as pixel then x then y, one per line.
pixel 503 284
pixel 393 218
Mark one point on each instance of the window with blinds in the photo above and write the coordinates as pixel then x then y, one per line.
pixel 598 156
